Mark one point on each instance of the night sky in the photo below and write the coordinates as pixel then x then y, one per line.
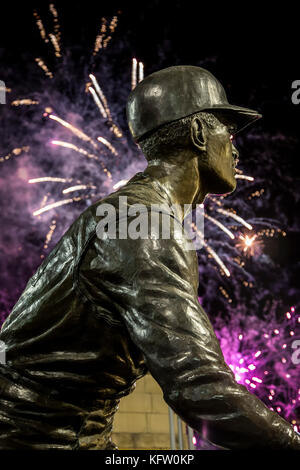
pixel 253 51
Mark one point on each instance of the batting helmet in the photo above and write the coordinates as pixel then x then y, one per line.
pixel 176 92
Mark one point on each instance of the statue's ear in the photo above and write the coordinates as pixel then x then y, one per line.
pixel 198 134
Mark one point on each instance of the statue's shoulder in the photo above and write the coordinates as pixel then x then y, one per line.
pixel 137 191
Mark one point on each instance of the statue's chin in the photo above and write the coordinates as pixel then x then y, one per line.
pixel 229 187
pixel 222 185
pixel 217 180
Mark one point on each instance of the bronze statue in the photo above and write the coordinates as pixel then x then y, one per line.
pixel 101 311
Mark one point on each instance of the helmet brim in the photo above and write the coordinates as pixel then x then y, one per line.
pixel 241 117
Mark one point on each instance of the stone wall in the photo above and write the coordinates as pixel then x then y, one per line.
pixel 142 421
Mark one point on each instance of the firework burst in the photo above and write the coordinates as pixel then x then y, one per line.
pixel 267 369
pixel 103 143
pixel 250 245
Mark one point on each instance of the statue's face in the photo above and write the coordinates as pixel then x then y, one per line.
pixel 221 157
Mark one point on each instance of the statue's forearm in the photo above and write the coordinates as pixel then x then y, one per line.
pixel 201 389
pixel 225 412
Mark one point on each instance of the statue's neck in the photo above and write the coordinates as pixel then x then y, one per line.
pixel 180 182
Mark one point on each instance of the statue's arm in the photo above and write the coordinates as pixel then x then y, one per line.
pixel 165 320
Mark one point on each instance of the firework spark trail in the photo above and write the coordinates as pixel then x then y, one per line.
pixel 102 104
pixel 16 151
pixel 101 41
pixel 80 134
pixel 216 258
pixel 116 130
pixel 55 44
pixel 106 41
pixel 270 232
pixel 87 86
pixel 40 27
pixel 141 71
pixel 99 37
pixel 53 205
pixel 54 38
pixel 101 96
pixel 97 101
pixel 133 73
pixel 257 193
pixel 220 225
pixel 119 184
pixel 24 102
pixel 44 179
pixel 44 67
pixel 244 177
pixel 235 217
pixel 113 24
pixel 82 152
pixel 112 27
pixel 56 23
pixel 49 235
pixel 108 145
pixel 78 187
pixel 137 72
pixel 215 201
pixel 74 147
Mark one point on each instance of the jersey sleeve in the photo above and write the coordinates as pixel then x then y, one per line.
pixel 156 295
